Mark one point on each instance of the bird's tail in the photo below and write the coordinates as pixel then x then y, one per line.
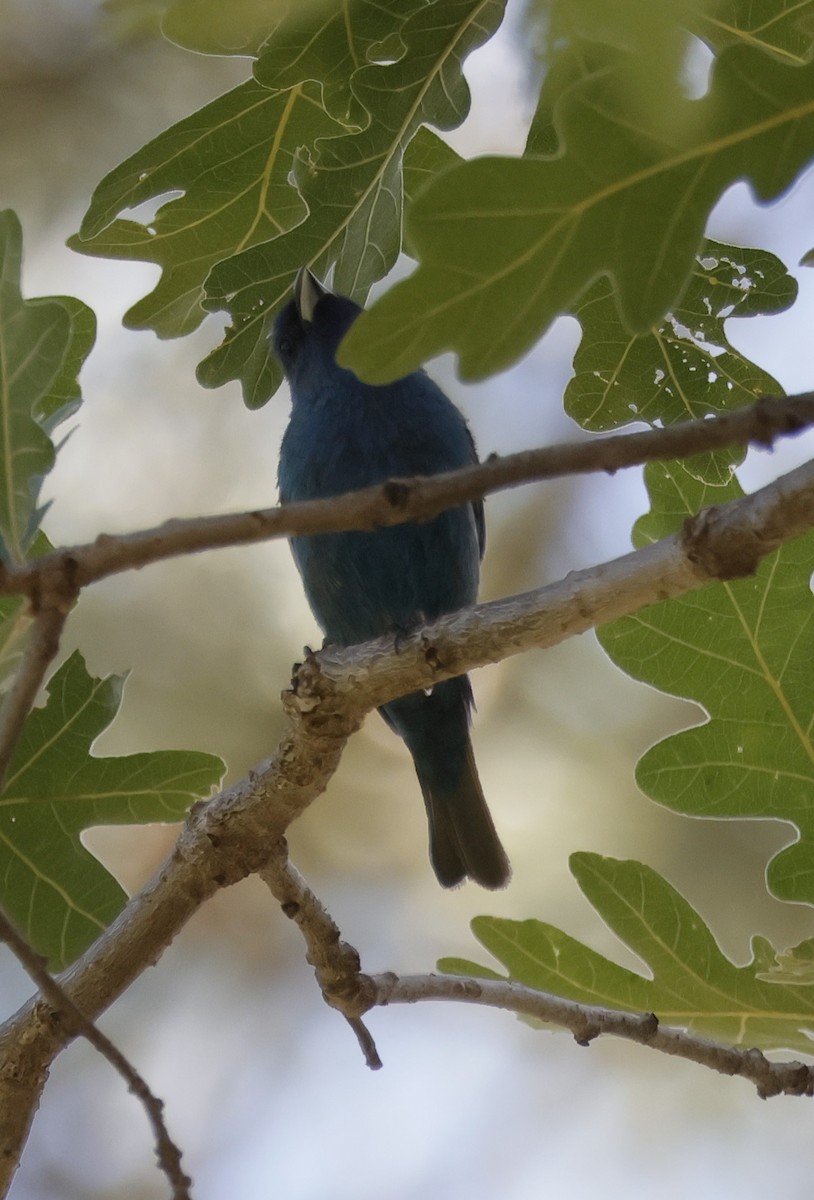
pixel 463 838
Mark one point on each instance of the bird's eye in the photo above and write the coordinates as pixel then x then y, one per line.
pixel 286 346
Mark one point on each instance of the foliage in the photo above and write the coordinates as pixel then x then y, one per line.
pixel 683 367
pixel 324 157
pixel 43 343
pixel 233 160
pixel 692 982
pixel 741 649
pixel 60 895
pixel 511 243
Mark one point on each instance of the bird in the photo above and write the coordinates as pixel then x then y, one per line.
pixel 345 434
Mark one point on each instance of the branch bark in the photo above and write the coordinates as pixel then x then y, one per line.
pixel 588 1022
pixel 167 1153
pixel 400 500
pixel 236 833
pixel 346 988
pixel 336 964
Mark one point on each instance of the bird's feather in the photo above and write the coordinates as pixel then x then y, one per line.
pixel 345 434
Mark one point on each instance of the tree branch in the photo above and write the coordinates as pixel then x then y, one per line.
pixel 236 833
pixel 587 1022
pixel 168 1154
pixel 221 842
pixel 232 835
pixel 346 988
pixel 336 964
pixel 397 501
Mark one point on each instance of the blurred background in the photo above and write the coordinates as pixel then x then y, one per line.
pixel 265 1089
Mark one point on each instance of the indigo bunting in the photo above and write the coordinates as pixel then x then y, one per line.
pixel 345 434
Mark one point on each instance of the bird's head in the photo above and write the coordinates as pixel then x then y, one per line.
pixel 309 329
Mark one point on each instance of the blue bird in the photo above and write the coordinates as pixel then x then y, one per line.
pixel 346 434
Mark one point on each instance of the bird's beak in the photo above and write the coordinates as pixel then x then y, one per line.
pixel 308 291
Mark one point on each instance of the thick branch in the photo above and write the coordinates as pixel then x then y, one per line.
pixel 397 501
pixel 727 542
pixel 235 834
pixel 220 843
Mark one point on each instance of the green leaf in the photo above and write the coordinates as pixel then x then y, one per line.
pixel 56 891
pixel 692 984
pixel 385 69
pixel 212 27
pixel 685 368
pixel 635 26
pixel 671 488
pixel 652 38
pixel 64 395
pixel 16 620
pixel 589 37
pixel 42 346
pixel 231 160
pixel 795 965
pixel 507 245
pixel 122 20
pixel 573 64
pixel 352 186
pixel 15 623
pixel 330 43
pixel 783 28
pixel 426 156
pixel 743 651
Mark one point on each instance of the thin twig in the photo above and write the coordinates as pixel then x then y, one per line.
pixel 400 500
pixel 366 1043
pixel 587 1022
pixel 336 964
pixel 348 989
pixel 167 1153
pixel 234 834
pixel 40 651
